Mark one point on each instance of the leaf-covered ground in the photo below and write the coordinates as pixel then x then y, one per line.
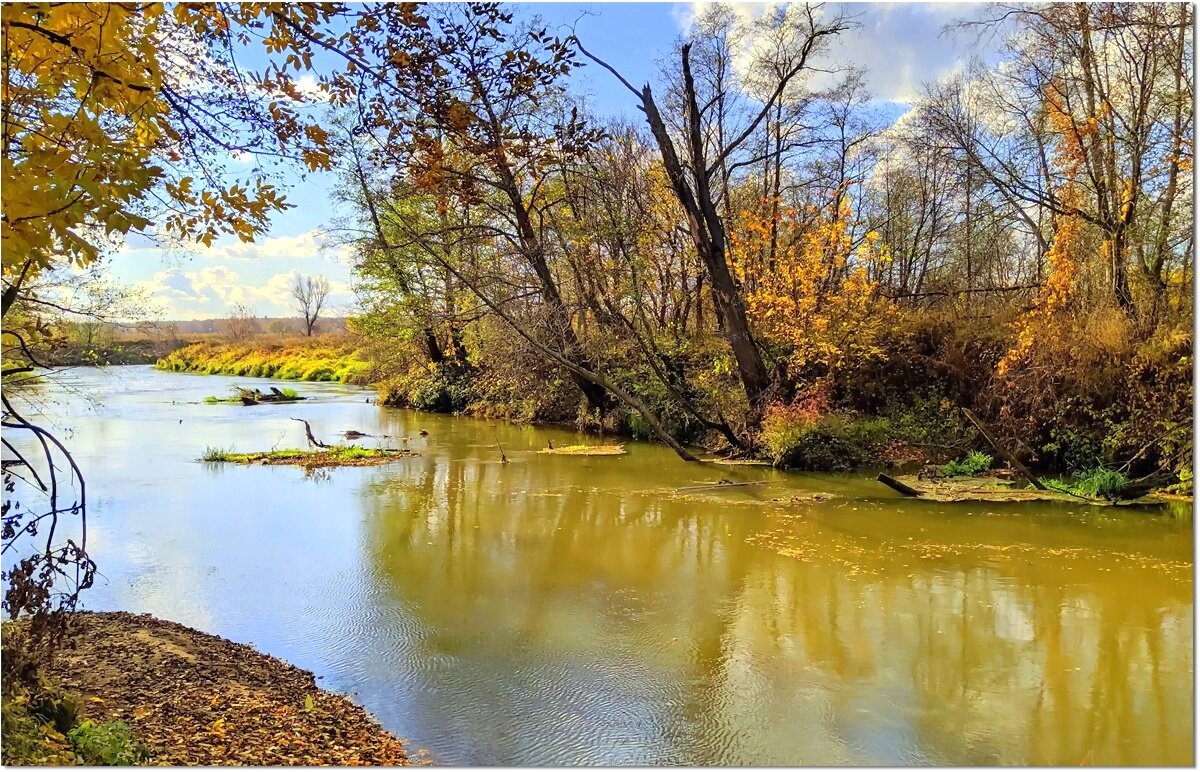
pixel 193 698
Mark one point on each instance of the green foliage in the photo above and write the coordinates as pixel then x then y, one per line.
pixel 1078 445
pixel 1098 483
pixel 216 454
pixel 436 389
pixel 29 739
pixel 1101 483
pixel 42 726
pixel 110 744
pixel 1185 484
pixel 975 463
pixel 797 439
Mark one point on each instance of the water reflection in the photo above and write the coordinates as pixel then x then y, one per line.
pixel 638 627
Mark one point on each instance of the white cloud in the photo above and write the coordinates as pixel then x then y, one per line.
pixel 308 87
pixel 214 290
pixel 305 245
pixel 899 45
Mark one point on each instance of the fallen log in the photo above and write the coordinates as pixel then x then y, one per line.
pixel 1013 461
pixel 256 396
pixel 992 489
pixel 721 484
pixel 897 486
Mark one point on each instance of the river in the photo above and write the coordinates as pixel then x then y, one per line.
pixel 576 610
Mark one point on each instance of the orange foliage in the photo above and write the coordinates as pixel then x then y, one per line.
pixel 1064 255
pixel 816 292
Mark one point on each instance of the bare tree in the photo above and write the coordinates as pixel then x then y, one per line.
pixel 310 293
pixel 241 323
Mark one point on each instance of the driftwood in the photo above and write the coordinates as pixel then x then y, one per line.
pixel 255 397
pixel 1015 462
pixel 991 489
pixel 897 486
pixel 309 433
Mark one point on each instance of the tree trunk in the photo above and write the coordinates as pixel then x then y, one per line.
pixel 708 237
pixel 534 253
pixel 432 347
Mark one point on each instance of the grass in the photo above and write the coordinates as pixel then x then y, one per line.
pixel 586 450
pixel 320 359
pixel 338 455
pixel 1098 483
pixel 975 463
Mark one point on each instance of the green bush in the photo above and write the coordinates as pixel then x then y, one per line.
pixel 1098 483
pixel 1101 483
pixel 975 463
pixel 798 440
pixel 110 744
pixel 436 391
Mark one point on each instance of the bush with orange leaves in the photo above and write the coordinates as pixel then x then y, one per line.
pixel 809 285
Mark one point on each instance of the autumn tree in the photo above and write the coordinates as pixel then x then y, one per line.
pixel 310 293
pixel 120 119
pixel 820 296
pixel 712 140
pixel 1112 79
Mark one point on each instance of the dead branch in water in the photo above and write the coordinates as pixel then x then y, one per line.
pixel 309 433
pixel 1015 462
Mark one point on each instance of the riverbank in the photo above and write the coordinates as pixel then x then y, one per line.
pixel 189 698
pixel 928 432
pixel 302 359
pixel 818 431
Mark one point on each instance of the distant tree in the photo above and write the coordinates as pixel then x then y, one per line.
pixel 310 293
pixel 279 326
pixel 241 323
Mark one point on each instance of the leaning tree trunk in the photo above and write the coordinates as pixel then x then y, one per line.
pixel 560 318
pixel 708 236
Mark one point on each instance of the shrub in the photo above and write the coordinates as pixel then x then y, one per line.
pixel 110 744
pixel 975 463
pixel 1101 483
pixel 799 438
pixel 438 390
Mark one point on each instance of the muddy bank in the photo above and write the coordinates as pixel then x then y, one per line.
pixel 193 698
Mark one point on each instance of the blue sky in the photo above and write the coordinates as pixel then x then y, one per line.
pixel 900 45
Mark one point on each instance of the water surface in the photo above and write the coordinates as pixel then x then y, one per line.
pixel 559 610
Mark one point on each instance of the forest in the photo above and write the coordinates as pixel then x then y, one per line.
pixel 768 265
